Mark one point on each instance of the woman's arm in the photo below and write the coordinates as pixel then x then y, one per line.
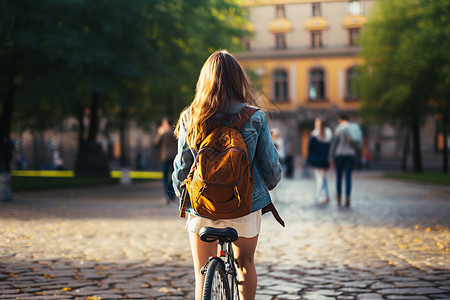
pixel 182 162
pixel 267 157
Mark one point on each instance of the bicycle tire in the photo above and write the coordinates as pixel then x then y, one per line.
pixel 216 285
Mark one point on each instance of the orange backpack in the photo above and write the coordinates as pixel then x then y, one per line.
pixel 220 182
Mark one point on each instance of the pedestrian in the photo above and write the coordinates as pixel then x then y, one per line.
pixel 223 89
pixel 57 161
pixel 318 151
pixel 342 153
pixel 167 144
pixel 289 164
pixel 278 141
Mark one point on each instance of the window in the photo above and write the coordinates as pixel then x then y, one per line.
pixel 280 86
pixel 280 11
pixel 316 12
pixel 354 8
pixel 352 88
pixel 353 35
pixel 316 84
pixel 280 41
pixel 316 39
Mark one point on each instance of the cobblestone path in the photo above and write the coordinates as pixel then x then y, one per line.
pixel 124 242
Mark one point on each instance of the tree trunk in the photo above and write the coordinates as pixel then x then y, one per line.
pixel 94 122
pixel 5 119
pixel 91 160
pixel 445 150
pixel 6 145
pixel 406 146
pixel 122 133
pixel 82 129
pixel 417 153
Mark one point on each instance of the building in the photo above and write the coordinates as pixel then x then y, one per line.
pixel 302 56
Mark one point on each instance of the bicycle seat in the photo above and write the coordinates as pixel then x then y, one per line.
pixel 210 234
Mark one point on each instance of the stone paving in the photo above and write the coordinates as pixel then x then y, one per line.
pixel 124 242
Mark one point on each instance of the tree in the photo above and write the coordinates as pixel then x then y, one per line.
pixel 102 59
pixel 187 32
pixel 435 26
pixel 19 21
pixel 399 77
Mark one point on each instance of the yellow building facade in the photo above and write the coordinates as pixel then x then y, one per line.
pixel 302 56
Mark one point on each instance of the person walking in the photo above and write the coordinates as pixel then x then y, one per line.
pixel 318 151
pixel 223 90
pixel 167 144
pixel 342 153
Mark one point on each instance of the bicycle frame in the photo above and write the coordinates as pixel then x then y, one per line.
pixel 226 258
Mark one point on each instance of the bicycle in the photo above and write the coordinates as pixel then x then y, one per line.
pixel 221 281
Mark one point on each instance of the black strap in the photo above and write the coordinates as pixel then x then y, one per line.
pixel 271 208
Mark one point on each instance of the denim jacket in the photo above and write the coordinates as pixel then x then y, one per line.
pixel 260 147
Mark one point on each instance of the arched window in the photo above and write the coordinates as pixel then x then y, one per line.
pixel 280 79
pixel 352 88
pixel 316 89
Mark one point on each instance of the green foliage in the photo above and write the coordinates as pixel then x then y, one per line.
pixel 406 75
pixel 141 57
pixel 392 83
pixel 406 49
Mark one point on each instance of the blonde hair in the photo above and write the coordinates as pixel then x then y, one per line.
pixel 220 81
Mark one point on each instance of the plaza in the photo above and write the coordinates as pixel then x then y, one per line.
pixel 125 242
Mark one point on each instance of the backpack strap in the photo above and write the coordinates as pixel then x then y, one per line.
pixel 245 114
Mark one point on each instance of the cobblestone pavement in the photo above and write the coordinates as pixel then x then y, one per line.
pixel 123 242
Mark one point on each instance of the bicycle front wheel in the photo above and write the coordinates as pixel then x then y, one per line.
pixel 216 283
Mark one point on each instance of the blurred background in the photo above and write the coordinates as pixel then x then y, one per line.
pixel 84 85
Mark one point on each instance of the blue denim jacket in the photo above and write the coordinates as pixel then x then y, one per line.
pixel 260 147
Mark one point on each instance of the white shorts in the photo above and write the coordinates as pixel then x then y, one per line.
pixel 246 226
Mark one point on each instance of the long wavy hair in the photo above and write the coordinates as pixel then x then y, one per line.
pixel 221 80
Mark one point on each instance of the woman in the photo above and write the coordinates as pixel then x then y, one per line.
pixel 223 89
pixel 318 150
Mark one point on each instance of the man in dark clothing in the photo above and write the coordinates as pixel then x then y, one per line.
pixel 167 144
